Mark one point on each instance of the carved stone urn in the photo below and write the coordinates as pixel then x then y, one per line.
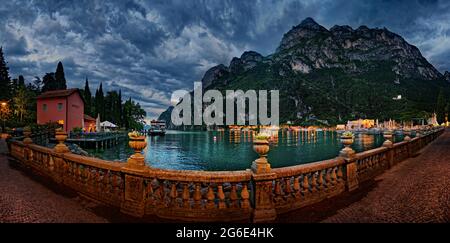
pixel 137 143
pixel 261 147
pixel 61 136
pixel 347 140
pixel 388 138
pixel 27 134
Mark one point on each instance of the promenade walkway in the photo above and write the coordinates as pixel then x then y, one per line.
pixel 23 199
pixel 415 190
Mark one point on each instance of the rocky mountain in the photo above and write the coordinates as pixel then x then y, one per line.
pixel 447 76
pixel 338 74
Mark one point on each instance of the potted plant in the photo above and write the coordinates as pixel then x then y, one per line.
pixel 137 141
pixel 261 144
pixel 347 138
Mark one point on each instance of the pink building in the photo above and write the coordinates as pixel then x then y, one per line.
pixel 65 107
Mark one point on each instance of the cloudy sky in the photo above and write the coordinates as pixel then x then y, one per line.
pixel 148 49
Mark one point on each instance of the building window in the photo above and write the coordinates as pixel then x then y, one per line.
pixel 60 106
pixel 44 107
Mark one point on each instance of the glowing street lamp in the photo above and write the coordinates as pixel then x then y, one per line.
pixel 4 112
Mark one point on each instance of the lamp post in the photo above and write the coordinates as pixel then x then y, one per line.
pixel 4 112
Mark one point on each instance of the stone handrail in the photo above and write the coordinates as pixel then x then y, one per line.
pixel 256 195
pixel 301 185
pixel 371 163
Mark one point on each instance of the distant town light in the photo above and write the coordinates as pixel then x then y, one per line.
pixel 399 97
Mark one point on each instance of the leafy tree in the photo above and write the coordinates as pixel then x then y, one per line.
pixel 440 107
pixel 20 101
pixel 5 80
pixel 87 98
pixel 21 82
pixel 37 84
pixel 49 82
pixel 59 77
pixel 133 115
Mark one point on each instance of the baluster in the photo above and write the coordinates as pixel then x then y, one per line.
pixel 297 186
pixel 159 194
pixel 88 178
pixel 173 193
pixel 106 181
pixel 210 197
pixel 320 181
pixel 313 182
pixel 221 196
pixel 287 185
pixel 334 176
pixel 245 195
pixel 79 179
pixel 305 184
pixel 328 177
pixel 340 174
pixel 277 188
pixel 117 185
pixel 186 195
pixel 197 196
pixel 233 196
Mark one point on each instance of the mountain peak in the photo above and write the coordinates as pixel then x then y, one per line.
pixel 307 29
pixel 310 23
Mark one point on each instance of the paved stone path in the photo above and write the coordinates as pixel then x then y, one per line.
pixel 24 200
pixel 415 190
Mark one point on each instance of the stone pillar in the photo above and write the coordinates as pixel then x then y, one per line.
pixel 61 136
pixel 348 154
pixel 136 160
pixel 390 145
pixel 27 134
pixel 261 165
pixel 264 209
pixel 134 198
pixel 407 138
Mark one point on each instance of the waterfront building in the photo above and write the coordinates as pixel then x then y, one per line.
pixel 360 124
pixel 65 107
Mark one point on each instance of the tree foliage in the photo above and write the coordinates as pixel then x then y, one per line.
pixel 440 107
pixel 5 80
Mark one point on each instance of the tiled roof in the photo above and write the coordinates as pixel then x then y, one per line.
pixel 57 93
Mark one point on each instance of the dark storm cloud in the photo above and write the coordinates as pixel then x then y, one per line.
pixel 150 48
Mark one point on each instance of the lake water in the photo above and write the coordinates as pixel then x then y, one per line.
pixel 213 151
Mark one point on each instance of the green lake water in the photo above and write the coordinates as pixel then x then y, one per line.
pixel 214 151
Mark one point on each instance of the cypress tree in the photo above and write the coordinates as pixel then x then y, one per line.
pixel 119 109
pixel 59 77
pixel 5 80
pixel 87 98
pixel 100 102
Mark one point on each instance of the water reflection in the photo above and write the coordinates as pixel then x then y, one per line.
pixel 232 150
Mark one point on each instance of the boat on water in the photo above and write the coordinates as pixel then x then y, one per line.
pixel 157 128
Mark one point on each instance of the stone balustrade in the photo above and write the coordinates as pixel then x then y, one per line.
pixel 258 194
